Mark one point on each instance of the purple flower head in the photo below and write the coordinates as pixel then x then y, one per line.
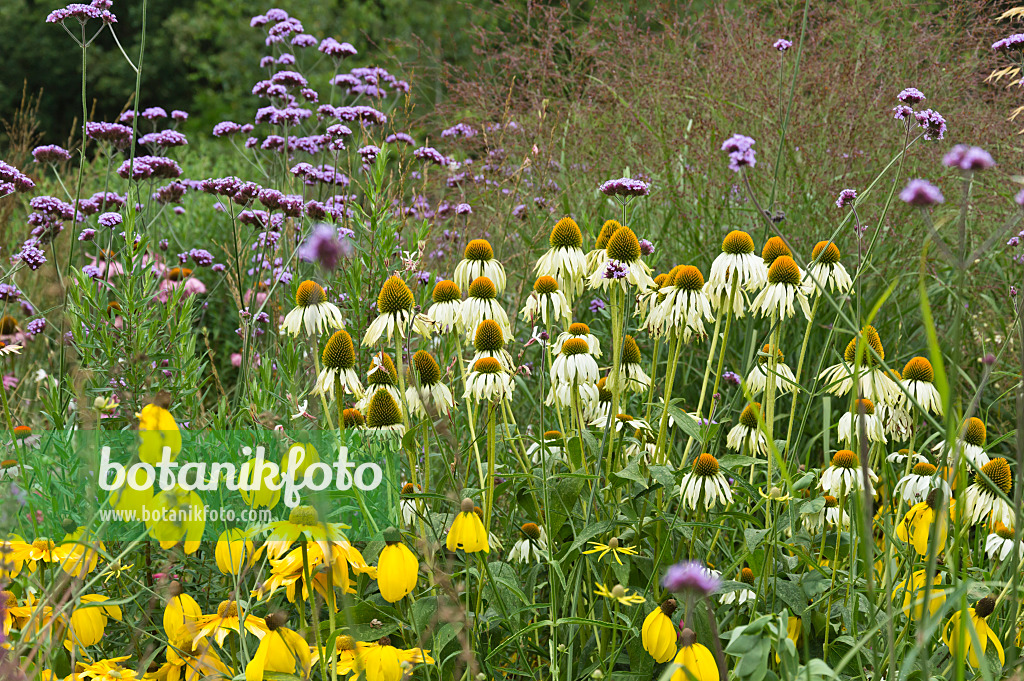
pixel 1019 198
pixel 303 40
pixel 731 377
pixel 433 155
pixel 646 247
pixel 463 209
pixel 625 186
pixel 596 305
pixel 615 270
pixel 115 133
pixel 50 153
pixel 153 113
pixel 36 326
pixel 369 153
pixel 52 207
pixel 968 158
pixel 226 128
pixel 399 137
pixel 782 44
pixel 846 197
pixel 332 48
pixel 1010 43
pixel 146 167
pixel 902 112
pixel 164 139
pixel 459 130
pixel 9 292
pixel 179 115
pixel 325 247
pixel 92 272
pixel 921 193
pixel 741 152
pixel 87 234
pixel 690 577
pixel 933 123
pixel 910 95
pixel 14 177
pixel 110 220
pixel 97 9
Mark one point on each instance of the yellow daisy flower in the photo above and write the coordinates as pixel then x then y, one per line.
pixel 658 634
pixel 467 531
pixel 618 593
pixel 611 547
pixel 978 626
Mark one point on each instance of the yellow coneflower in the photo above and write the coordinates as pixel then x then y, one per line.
pixel 982 503
pixel 919 380
pixel 281 650
pixel 446 312
pixel 825 270
pixel 190 660
pixel 622 263
pixel 618 593
pixel 532 546
pixel 353 419
pixel 547 301
pixel 977 627
pixel 430 385
pixel 467 531
pixel 845 476
pixel 234 549
pixel 917 524
pixel 481 304
pixel 488 381
pixel 478 261
pixel 303 522
pixel 397 571
pixel 970 443
pixel 875 383
pixel 108 669
pixel 384 413
pixel 598 254
pixel 912 591
pixel 312 311
pixel 774 248
pixel 631 373
pixel 705 483
pixel 999 543
pixel 382 661
pixel 613 547
pixel 326 570
pixel 227 619
pixel 258 488
pixel 578 330
pixel 862 411
pixel 921 480
pixel 89 620
pixel 395 311
pixel 179 611
pixel 79 552
pixel 736 261
pixel 565 260
pixel 175 519
pixel 339 364
pixel 741 596
pixel 757 379
pixel 658 634
pixel 785 284
pixel 574 369
pixel 157 430
pixel 489 341
pixel 747 433
pixel 694 661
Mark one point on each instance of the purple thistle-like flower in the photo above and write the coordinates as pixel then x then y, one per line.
pixel 596 305
pixel 463 209
pixel 115 133
pixel 1010 43
pixel 14 177
pixel 968 158
pixel 615 270
pixel 782 44
pixel 53 207
pixel 646 247
pixel 625 186
pixel 459 130
pixel 910 95
pixel 690 577
pixel 433 155
pixel 921 193
pixel 9 292
pixel 741 152
pixel 731 377
pixel 933 123
pixel 87 234
pixel 303 40
pixel 31 254
pixel 179 115
pixel 369 153
pixel 325 247
pixel 902 112
pixel 846 197
pixel 332 48
pixel 399 137
pixel 36 326
pixel 164 138
pixel 50 153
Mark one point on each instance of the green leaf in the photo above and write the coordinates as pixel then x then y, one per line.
pixel 632 473
pixel 754 538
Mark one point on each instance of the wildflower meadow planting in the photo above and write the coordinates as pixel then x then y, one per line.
pixel 624 354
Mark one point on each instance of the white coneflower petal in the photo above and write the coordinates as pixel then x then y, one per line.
pixel 478 261
pixel 312 312
pixel 845 476
pixel 705 483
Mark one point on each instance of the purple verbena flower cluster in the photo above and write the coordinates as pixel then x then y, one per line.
pixel 50 153
pixel 968 158
pixel 97 9
pixel 921 193
pixel 782 44
pixel 1010 43
pixel 741 152
pixel 846 197
pixel 148 167
pixel 625 186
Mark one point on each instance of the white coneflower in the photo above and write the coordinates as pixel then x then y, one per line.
pixel 648 299
pixel 746 432
pixel 478 261
pixel 382 375
pixel 825 270
pixel 596 410
pixel 742 596
pixel 383 413
pixel 489 341
pixel 578 330
pixel 895 419
pixel 395 308
pixel 446 312
pixel 981 501
pixel 921 480
pixel 685 306
pixel 410 509
pixel 430 385
pixel 850 423
pixel 829 513
pixel 631 373
pixel 899 457
pixel 844 476
pixel 757 379
pixel 353 419
pixel 971 444
pixel 339 361
pixel 875 383
pixel 573 369
pixel 312 312
pixel 999 543
pixel 785 284
pixel 533 546
pixel 553 442
pixel 737 260
pixel 622 264
pixel 595 257
pixel 547 301
pixel 919 380
pixel 488 381
pixel 481 304
pixel 705 484
pixel 565 260
pixel 622 422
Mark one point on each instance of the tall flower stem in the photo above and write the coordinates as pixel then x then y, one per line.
pixel 470 420
pixel 769 396
pixel 799 370
pixel 616 307
pixel 491 410
pixel 654 375
pixel 674 343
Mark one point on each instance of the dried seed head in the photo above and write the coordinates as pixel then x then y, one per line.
pixel 669 607
pixel 467 506
pixel 687 638
pixel 276 620
pixel 985 606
